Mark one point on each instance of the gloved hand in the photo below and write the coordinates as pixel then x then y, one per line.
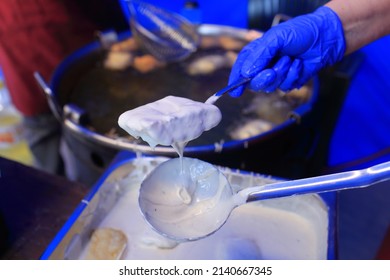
pixel 302 46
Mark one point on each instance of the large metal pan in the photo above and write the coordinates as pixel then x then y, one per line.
pixel 88 98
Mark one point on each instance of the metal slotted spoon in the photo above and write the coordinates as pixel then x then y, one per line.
pixel 165 35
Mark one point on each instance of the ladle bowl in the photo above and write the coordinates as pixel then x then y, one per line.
pixel 185 199
pixel 188 199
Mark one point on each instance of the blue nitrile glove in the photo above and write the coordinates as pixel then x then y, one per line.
pixel 302 45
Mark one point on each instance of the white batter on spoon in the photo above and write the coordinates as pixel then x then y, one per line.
pixel 171 121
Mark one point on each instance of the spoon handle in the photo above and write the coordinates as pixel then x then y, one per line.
pixel 212 99
pixel 333 182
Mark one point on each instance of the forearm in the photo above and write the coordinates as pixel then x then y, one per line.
pixel 363 21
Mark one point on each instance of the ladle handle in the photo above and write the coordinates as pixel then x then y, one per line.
pixel 333 182
pixel 226 89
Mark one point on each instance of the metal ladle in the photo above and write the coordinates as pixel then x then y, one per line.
pixel 191 199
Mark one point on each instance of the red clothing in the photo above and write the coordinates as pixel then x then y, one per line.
pixel 36 35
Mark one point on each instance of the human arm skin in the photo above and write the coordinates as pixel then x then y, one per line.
pixel 363 21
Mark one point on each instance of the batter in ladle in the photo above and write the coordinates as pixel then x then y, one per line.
pixel 189 205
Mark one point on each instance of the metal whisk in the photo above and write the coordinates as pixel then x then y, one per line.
pixel 165 35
